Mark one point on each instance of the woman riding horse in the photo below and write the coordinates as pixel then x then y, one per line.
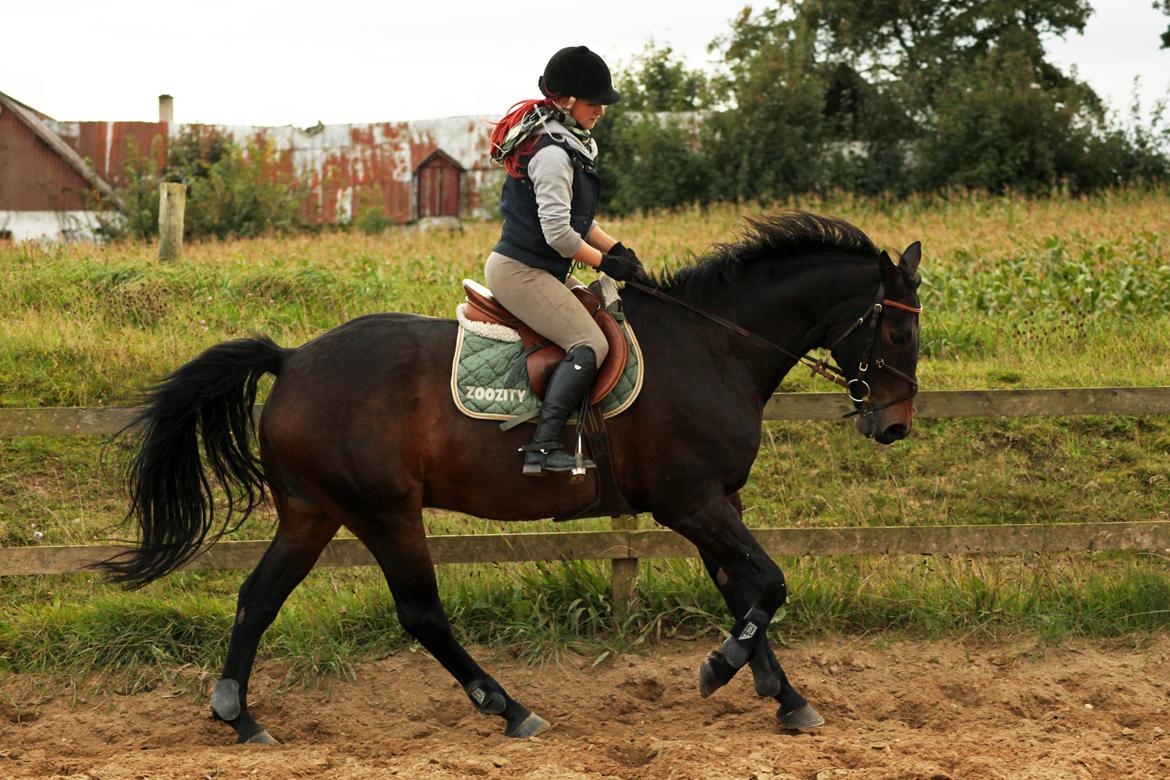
pixel 548 204
pixel 350 441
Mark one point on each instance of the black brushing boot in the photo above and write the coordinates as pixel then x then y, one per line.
pixel 567 387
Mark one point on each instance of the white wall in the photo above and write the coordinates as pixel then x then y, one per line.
pixel 49 225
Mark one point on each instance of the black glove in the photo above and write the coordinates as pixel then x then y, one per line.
pixel 621 249
pixel 621 267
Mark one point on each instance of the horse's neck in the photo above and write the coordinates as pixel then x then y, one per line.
pixel 792 313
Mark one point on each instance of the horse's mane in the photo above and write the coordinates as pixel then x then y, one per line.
pixel 768 239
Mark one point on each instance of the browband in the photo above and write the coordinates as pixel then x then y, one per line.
pixel 902 306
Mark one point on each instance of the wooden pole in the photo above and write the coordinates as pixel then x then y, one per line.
pixel 172 200
pixel 625 572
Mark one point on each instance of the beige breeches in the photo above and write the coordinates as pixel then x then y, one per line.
pixel 544 304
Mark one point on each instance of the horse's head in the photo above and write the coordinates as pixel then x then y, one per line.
pixel 879 352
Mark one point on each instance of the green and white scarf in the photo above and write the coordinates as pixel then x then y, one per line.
pixel 533 121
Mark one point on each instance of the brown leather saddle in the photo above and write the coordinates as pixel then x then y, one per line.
pixel 542 355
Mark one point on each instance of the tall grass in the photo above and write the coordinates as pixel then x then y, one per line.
pixel 1018 293
pixel 1043 289
pixel 338 619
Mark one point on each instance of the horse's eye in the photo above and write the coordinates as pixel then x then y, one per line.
pixel 899 336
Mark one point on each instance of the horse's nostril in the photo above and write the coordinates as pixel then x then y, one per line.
pixel 897 431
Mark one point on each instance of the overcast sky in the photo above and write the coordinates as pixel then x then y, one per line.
pixel 270 62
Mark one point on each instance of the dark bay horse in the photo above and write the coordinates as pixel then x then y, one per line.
pixel 360 431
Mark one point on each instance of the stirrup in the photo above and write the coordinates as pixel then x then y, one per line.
pixel 537 459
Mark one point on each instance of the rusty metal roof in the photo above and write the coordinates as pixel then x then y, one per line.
pixel 35 121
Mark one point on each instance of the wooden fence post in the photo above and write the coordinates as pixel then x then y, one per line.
pixel 172 200
pixel 625 571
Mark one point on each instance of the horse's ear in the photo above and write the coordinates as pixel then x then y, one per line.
pixel 888 269
pixel 910 260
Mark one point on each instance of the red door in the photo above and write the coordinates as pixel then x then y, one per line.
pixel 438 190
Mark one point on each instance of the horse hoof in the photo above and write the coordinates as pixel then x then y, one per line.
pixel 261 737
pixel 714 673
pixel 529 727
pixel 800 719
pixel 708 682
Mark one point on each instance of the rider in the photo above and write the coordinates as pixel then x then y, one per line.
pixel 548 204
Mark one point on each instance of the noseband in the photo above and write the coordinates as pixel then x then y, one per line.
pixel 822 368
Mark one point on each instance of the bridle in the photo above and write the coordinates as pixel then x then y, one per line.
pixel 822 368
pixel 873 316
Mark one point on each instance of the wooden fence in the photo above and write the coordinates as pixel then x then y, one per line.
pixel 624 545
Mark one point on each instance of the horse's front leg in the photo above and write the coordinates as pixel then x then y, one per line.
pixel 738 595
pixel 768 676
pixel 754 588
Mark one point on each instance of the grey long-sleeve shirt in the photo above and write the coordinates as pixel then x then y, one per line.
pixel 551 174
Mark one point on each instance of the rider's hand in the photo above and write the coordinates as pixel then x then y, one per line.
pixel 621 267
pixel 621 249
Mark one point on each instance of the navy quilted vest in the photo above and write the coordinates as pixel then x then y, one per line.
pixel 522 238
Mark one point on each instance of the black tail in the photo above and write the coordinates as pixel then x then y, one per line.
pixel 172 493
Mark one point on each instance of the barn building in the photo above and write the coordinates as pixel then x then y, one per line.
pixel 51 172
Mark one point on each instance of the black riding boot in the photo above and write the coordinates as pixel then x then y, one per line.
pixel 567 387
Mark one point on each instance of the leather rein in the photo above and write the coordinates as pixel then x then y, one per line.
pixel 822 368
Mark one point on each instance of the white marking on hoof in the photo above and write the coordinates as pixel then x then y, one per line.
pixel 801 719
pixel 261 738
pixel 531 726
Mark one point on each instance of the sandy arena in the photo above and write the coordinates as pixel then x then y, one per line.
pixel 905 710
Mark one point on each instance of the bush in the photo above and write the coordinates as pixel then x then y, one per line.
pixel 244 193
pixel 232 191
pixel 651 161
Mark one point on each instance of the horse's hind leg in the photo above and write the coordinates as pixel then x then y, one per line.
pixel 399 545
pixel 295 548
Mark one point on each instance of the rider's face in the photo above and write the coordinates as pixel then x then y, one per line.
pixel 586 114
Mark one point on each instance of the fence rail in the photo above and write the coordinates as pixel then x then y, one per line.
pixel 621 546
pixel 1057 402
pixel 624 545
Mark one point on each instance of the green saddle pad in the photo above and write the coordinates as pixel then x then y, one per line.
pixel 480 374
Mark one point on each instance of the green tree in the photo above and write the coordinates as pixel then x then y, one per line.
pixel 652 154
pixel 769 139
pixel 138 216
pixel 899 94
pixel 246 192
pixel 657 80
pixel 919 46
pixel 993 127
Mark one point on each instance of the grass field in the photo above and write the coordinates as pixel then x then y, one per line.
pixel 1018 293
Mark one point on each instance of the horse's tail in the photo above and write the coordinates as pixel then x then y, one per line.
pixel 171 489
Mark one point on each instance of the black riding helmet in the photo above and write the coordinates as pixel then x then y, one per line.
pixel 574 71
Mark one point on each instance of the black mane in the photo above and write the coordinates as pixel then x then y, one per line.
pixel 768 239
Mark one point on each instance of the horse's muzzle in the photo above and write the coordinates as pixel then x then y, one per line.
pixel 892 433
pixel 882 429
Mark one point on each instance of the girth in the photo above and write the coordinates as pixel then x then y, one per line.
pixel 541 355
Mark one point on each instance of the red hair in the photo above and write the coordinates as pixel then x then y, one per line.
pixel 505 125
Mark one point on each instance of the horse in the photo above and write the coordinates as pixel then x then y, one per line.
pixel 359 431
